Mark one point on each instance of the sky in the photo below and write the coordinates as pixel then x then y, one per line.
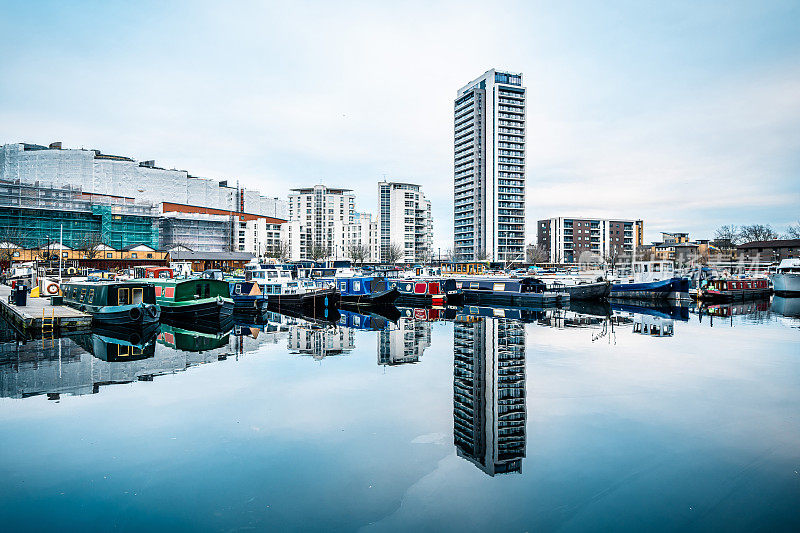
pixel 684 115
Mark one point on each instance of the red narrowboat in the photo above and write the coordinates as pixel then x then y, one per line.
pixel 726 290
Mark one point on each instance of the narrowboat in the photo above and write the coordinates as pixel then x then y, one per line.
pixel 584 291
pixel 247 296
pixel 113 302
pixel 193 299
pixel 522 292
pixel 786 279
pixel 726 290
pixel 362 290
pixel 423 291
pixel 652 280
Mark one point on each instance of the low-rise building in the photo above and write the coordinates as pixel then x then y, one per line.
pixel 769 251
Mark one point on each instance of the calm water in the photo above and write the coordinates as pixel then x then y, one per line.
pixel 476 419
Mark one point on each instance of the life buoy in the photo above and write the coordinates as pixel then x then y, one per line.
pixel 52 288
pixel 135 313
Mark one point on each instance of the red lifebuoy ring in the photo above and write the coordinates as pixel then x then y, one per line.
pixel 52 288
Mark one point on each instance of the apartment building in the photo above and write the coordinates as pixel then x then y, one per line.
pixel 489 168
pixel 318 217
pixel 573 239
pixel 406 222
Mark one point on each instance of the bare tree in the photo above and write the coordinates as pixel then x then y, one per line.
pixel 358 252
pixel 91 244
pixel 757 232
pixel 394 254
pixel 612 257
pixel 424 256
pixel 537 253
pixel 317 251
pixel 46 249
pixel 481 255
pixel 11 239
pixel 727 236
pixel 793 231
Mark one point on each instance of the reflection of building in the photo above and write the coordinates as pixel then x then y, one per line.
pixel 320 342
pixel 489 392
pixel 655 326
pixel 404 344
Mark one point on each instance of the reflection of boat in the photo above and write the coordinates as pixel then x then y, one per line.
pixel 735 309
pixel 654 308
pixel 363 321
pixel 786 306
pixel 113 302
pixel 523 314
pixel 590 308
pixel 654 326
pixel 329 316
pixel 786 279
pixel 190 340
pixel 115 345
pixel 427 314
pixel 314 302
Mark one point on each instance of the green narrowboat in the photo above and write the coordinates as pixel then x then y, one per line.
pixel 113 302
pixel 190 299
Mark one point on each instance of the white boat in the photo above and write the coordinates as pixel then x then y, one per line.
pixel 786 279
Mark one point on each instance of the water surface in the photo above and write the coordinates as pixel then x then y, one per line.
pixel 465 419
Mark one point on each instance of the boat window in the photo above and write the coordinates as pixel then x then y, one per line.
pixel 138 296
pixel 356 285
pixel 74 293
pixel 237 289
pixel 657 267
pixel 83 294
pixel 91 295
pixel 207 289
pixel 637 268
pixel 499 287
pixel 123 295
pixel 645 267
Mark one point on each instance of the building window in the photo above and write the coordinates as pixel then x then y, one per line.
pixel 109 255
pixel 133 255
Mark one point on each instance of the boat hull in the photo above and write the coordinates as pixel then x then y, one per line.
pixel 249 304
pixel 587 291
pixel 786 284
pixel 128 315
pixel 387 297
pixel 517 299
pixel 672 289
pixel 209 310
pixel 311 302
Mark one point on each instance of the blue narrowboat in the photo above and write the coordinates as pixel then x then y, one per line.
pixel 247 296
pixel 652 280
pixel 523 292
pixel 361 290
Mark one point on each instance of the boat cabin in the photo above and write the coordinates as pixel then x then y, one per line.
pixel 649 271
pixel 472 268
pixel 500 285
pixel 158 272
pixel 101 294
pixel 737 285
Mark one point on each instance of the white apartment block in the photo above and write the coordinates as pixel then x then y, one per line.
pixel 113 175
pixel 259 237
pixel 364 231
pixel 584 239
pixel 318 216
pixel 405 221
pixel 489 168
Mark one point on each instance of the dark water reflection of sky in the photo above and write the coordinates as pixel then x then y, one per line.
pixel 570 422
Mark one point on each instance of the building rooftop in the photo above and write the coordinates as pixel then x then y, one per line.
pixel 778 243
pixel 210 256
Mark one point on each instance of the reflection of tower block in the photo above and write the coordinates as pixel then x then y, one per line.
pixel 654 326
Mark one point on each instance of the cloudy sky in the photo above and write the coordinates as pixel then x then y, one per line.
pixel 685 116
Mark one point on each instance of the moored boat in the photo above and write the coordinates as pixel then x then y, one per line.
pixel 424 291
pixel 113 302
pixel 247 296
pixel 509 291
pixel 590 291
pixel 652 280
pixel 726 290
pixel 786 279
pixel 361 290
pixel 193 299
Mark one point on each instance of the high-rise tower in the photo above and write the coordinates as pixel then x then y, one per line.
pixel 489 173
